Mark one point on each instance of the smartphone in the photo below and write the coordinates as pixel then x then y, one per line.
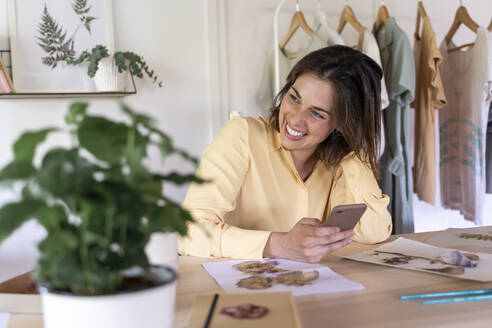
pixel 345 216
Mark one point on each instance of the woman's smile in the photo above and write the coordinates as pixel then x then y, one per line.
pixel 293 133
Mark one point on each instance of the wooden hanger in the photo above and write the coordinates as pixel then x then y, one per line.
pixel 420 14
pixel 470 44
pixel 348 16
pixel 297 21
pixel 383 16
pixel 461 17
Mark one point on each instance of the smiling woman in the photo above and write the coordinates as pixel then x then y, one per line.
pixel 272 182
pixel 306 120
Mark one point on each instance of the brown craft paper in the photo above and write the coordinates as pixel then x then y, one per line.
pixel 282 311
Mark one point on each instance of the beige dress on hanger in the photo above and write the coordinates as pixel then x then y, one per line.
pixel 467 80
pixel 429 96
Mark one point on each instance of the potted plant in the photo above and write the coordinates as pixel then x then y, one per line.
pixel 99 204
pixel 106 70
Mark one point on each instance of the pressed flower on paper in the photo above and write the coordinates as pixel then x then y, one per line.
pixel 458 261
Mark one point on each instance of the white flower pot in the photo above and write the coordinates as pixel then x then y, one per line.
pixel 108 78
pixel 162 249
pixel 149 308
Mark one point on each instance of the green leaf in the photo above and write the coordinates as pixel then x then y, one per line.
pixel 76 112
pixel 97 53
pixel 187 156
pixel 169 218
pixel 119 60
pixel 52 217
pixel 151 189
pixel 127 201
pixel 62 271
pixel 134 157
pixel 180 179
pixel 18 169
pixel 59 242
pixel 25 146
pixel 91 238
pixel 104 139
pixel 166 146
pixel 145 120
pixel 13 215
pixel 64 173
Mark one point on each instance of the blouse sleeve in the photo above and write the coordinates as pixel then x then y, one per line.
pixel 355 183
pixel 438 97
pixel 224 163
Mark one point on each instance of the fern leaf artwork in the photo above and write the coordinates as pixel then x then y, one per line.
pixel 80 7
pixel 52 40
pixel 87 22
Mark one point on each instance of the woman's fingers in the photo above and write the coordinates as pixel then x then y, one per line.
pixel 310 221
pixel 328 239
pixel 314 239
pixel 307 241
pixel 315 254
pixel 326 231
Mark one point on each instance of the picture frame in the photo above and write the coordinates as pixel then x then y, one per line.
pixel 46 35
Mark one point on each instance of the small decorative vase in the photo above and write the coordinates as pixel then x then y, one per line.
pixel 108 78
pixel 150 307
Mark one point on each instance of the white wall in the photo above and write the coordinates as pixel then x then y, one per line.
pixel 172 36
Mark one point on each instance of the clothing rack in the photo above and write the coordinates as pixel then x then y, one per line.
pixel 276 42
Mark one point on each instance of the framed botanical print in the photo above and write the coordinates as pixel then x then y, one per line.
pixel 45 36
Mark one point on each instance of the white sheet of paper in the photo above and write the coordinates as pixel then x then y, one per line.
pixel 482 272
pixel 4 319
pixel 328 282
pixel 451 237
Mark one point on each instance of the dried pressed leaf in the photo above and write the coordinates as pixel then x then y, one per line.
pixel 255 282
pixel 257 267
pixel 296 278
pixel 472 257
pixel 449 270
pixel 396 260
pixel 478 236
pixel 245 311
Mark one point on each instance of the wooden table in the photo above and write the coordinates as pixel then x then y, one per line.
pixel 376 306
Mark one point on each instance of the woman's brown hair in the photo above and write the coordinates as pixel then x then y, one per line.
pixel 356 80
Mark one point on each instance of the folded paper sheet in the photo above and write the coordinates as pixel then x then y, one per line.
pixel 227 276
pixel 413 255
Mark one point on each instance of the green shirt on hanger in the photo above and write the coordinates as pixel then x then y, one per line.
pixel 399 73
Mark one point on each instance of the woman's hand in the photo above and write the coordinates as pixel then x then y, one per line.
pixel 307 241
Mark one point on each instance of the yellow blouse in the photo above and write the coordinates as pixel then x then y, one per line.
pixel 255 189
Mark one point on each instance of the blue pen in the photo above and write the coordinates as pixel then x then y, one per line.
pixel 443 294
pixel 459 299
